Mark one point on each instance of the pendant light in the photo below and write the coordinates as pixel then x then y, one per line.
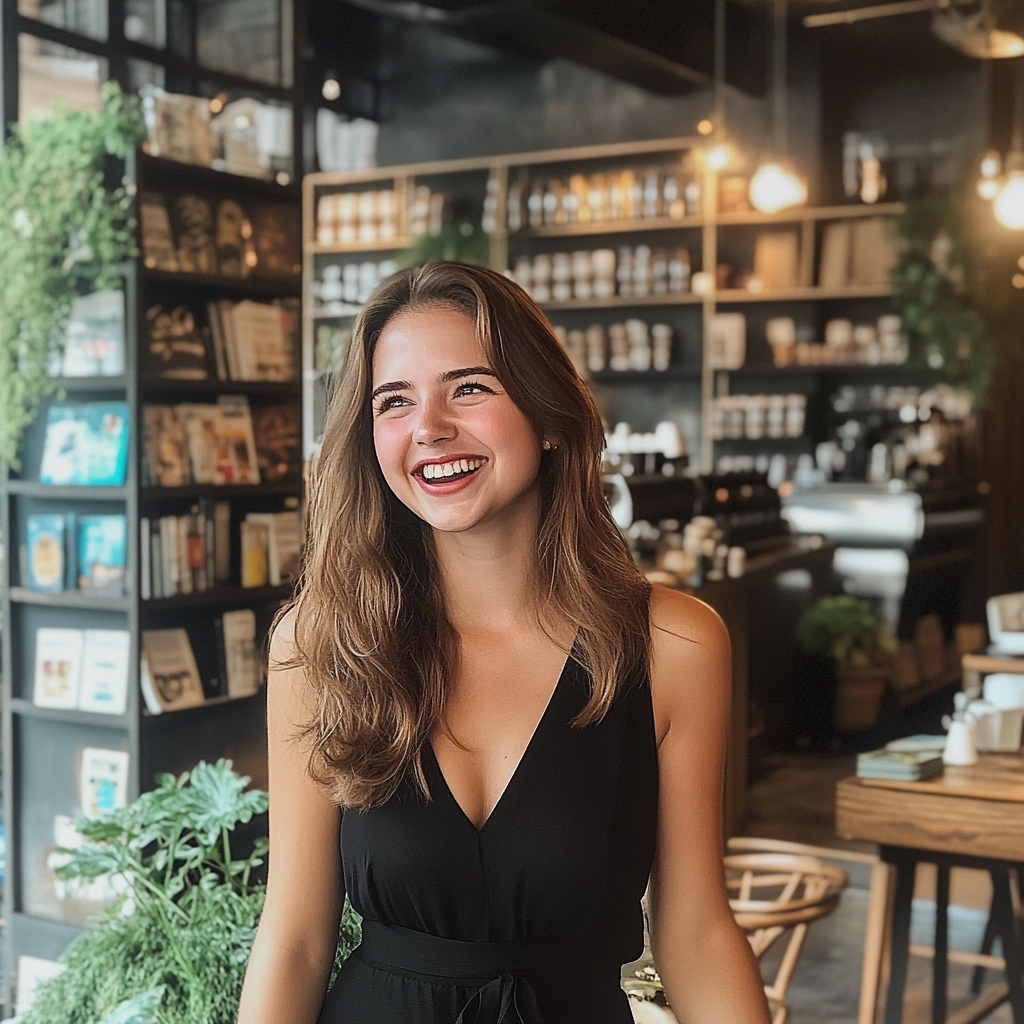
pixel 776 186
pixel 1009 203
pixel 718 156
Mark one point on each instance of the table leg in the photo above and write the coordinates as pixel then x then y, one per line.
pixel 1006 929
pixel 905 872
pixel 978 978
pixel 939 964
pixel 874 942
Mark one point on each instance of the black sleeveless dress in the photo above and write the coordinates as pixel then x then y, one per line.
pixel 527 919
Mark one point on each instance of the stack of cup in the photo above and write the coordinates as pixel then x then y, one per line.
pixel 639 344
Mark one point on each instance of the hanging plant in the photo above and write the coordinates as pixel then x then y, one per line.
pixel 65 224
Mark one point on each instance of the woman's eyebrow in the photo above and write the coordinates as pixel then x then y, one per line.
pixel 469 371
pixel 395 385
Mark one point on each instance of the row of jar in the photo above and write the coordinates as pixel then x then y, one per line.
pixel 597 198
pixel 757 416
pixel 634 345
pixel 373 216
pixel 846 343
pixel 587 275
pixel 342 285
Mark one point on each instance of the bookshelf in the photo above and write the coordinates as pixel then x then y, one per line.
pixel 42 746
pixel 710 235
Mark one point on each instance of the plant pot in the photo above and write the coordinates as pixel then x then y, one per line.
pixel 859 697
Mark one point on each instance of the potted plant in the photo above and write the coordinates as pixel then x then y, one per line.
pixel 173 947
pixel 848 632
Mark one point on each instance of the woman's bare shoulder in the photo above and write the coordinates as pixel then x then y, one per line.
pixel 282 640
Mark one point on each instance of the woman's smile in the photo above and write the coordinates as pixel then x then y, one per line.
pixel 448 475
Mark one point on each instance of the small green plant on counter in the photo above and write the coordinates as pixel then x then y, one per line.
pixel 173 948
pixel 64 228
pixel 846 630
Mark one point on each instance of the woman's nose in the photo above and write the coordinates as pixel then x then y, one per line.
pixel 435 424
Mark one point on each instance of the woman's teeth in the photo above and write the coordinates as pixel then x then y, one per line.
pixel 439 470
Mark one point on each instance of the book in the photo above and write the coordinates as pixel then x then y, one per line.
pixel 180 128
pixel 227 325
pixel 276 433
pixel 236 445
pixel 102 554
pixel 903 765
pixel 46 546
pixel 193 229
pixel 86 444
pixel 156 558
pixel 232 226
pixel 168 673
pixel 94 338
pixel 834 265
pixel 103 781
pixel 920 741
pixel 166 447
pixel 255 554
pixel 242 670
pixel 275 237
pixel 145 560
pixel 220 354
pixel 874 251
pixel 261 342
pixel 222 541
pixel 777 259
pixel 58 667
pixel 103 686
pixel 202 427
pixel 175 347
pixel 158 252
pixel 284 544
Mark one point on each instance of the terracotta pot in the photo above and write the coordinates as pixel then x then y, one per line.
pixel 859 697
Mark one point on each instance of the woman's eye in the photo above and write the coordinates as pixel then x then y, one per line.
pixel 472 388
pixel 386 404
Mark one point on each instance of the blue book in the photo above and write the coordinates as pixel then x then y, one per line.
pixel 46 552
pixel 102 549
pixel 86 444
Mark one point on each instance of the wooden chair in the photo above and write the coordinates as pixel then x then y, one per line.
pixel 773 892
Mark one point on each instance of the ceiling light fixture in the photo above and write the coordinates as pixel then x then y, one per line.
pixel 1009 203
pixel 719 155
pixel 776 186
pixel 331 89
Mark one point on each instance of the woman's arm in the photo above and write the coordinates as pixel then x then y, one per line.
pixel 704 960
pixel 291 959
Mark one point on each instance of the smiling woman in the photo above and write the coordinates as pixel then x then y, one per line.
pixel 477 686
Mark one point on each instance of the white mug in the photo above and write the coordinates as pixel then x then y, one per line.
pixel 960 748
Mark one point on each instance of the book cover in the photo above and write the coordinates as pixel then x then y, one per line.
pixel 255 538
pixel 227 325
pixel 103 687
pixel 193 228
pixel 240 658
pixel 175 347
pixel 202 426
pixel 834 266
pixel 167 454
pixel 46 546
pixel 94 339
pixel 276 432
pixel 263 345
pixel 236 445
pixel 86 444
pixel 58 667
pixel 145 560
pixel 777 259
pixel 222 541
pixel 158 252
pixel 231 230
pixel 169 675
pixel 874 251
pixel 220 353
pixel 275 237
pixel 103 781
pixel 102 554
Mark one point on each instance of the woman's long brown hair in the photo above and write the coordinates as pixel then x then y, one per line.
pixel 371 629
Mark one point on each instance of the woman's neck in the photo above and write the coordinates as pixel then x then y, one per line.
pixel 489 573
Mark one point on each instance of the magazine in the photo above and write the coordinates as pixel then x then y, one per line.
pixel 86 444
pixel 94 341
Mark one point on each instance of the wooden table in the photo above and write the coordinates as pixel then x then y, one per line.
pixel 968 817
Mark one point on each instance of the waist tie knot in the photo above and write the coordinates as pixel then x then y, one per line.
pixel 494 969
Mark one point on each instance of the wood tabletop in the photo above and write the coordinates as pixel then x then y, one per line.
pixel 977 810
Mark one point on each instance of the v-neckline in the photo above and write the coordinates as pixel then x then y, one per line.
pixel 519 764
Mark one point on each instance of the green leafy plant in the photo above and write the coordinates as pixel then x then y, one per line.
pixel 931 287
pixel 846 630
pixel 66 224
pixel 173 948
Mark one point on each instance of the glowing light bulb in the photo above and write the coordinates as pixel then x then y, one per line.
pixel 718 157
pixel 988 188
pixel 706 126
pixel 1009 204
pixel 991 165
pixel 775 188
pixel 331 89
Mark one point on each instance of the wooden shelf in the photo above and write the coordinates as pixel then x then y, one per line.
pixel 622 301
pixel 729 295
pixel 69 599
pixel 765 442
pixel 226 491
pixel 262 388
pixel 795 215
pixel 22 706
pixel 606 227
pixel 159 169
pixel 770 370
pixel 210 702
pixel 66 492
pixel 274 286
pixel 219 597
pixel 672 373
pixel 332 249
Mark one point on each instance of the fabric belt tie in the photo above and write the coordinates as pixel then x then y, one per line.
pixel 495 969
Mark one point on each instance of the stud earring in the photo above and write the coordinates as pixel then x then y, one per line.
pixel 548 446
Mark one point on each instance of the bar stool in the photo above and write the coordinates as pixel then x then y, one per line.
pixel 771 893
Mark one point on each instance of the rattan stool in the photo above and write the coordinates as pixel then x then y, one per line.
pixel 770 893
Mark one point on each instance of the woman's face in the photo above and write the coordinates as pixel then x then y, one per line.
pixel 451 443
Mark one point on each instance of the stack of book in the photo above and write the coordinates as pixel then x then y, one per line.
pixel 899 765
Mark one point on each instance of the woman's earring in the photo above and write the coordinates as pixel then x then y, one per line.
pixel 548 446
